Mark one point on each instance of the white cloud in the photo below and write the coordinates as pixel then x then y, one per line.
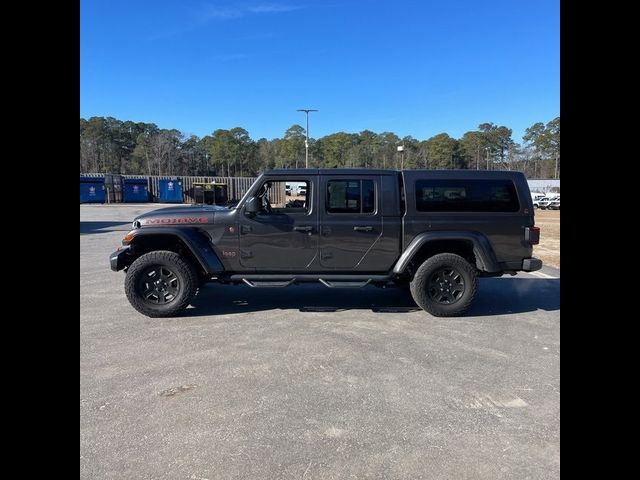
pixel 272 8
pixel 213 12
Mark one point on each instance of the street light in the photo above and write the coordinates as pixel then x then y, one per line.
pixel 306 142
pixel 401 150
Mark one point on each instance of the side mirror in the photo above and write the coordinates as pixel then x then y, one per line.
pixel 253 206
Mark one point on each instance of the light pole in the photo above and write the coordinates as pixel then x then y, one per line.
pixel 401 150
pixel 306 142
pixel 488 150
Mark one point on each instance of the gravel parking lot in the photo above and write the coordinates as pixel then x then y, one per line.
pixel 311 383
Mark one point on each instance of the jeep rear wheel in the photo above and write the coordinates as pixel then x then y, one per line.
pixel 445 285
pixel 160 284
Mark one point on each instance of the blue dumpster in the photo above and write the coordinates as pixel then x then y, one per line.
pixel 170 191
pixel 135 190
pixel 91 190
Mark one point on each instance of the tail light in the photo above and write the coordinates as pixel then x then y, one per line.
pixel 532 235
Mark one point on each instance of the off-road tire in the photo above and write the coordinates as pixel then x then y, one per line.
pixel 179 287
pixel 458 289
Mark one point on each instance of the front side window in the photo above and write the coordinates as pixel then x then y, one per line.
pixel 350 196
pixel 466 196
pixel 285 196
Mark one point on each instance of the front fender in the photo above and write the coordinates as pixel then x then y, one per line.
pixel 482 249
pixel 195 241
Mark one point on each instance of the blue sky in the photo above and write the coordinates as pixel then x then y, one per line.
pixel 411 67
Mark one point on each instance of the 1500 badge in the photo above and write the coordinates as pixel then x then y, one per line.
pixel 175 220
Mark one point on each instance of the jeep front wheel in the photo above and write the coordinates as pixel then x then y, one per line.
pixel 445 285
pixel 160 284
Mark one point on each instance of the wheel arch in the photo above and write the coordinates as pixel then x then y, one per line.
pixel 473 246
pixel 188 242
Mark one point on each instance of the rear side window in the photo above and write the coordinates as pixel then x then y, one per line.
pixel 466 196
pixel 351 196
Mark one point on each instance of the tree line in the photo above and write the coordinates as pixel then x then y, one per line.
pixel 109 145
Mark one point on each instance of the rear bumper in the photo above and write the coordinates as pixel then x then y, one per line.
pixel 119 259
pixel 531 264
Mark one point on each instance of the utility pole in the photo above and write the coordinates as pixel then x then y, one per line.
pixel 306 142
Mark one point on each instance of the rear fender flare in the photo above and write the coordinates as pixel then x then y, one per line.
pixel 482 250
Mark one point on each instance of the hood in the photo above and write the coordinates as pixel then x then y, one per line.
pixel 179 215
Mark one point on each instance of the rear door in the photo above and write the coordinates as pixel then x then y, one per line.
pixel 350 220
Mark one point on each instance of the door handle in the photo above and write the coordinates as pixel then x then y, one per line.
pixel 305 228
pixel 363 229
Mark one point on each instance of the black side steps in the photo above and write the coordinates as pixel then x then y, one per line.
pixel 339 284
pixel 268 284
pixel 326 283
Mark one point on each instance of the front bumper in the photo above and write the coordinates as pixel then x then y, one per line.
pixel 531 264
pixel 119 259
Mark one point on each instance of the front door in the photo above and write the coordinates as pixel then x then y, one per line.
pixel 351 221
pixel 284 235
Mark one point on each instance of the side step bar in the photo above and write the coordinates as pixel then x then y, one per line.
pixel 330 281
pixel 271 284
pixel 335 284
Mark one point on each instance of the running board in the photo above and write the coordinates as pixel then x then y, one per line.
pixel 255 284
pixel 327 279
pixel 338 284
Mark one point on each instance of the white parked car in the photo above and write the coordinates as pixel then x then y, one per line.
pixel 536 201
pixel 554 204
pixel 542 203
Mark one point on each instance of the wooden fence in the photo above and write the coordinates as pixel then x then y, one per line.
pixel 237 186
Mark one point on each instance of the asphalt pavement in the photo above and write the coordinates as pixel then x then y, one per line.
pixel 311 383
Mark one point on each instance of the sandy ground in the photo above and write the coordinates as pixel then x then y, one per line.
pixel 549 249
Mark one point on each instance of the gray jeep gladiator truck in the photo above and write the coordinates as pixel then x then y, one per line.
pixel 434 232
